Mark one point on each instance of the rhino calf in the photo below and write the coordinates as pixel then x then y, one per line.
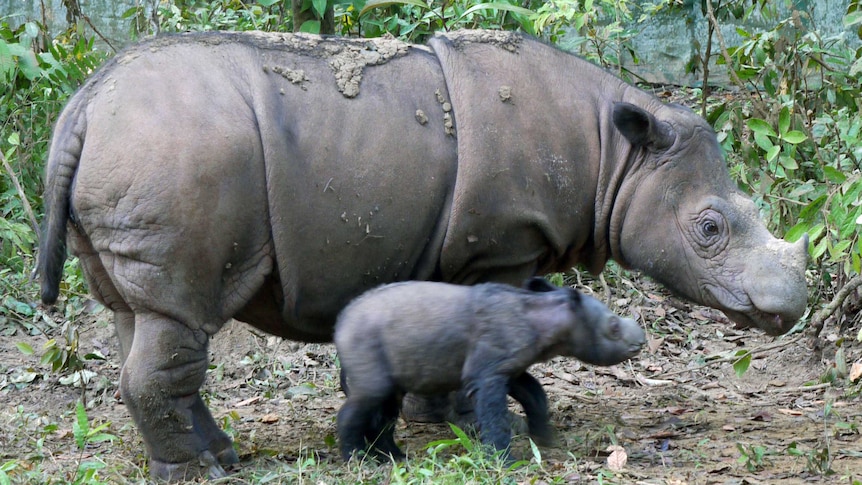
pixel 427 338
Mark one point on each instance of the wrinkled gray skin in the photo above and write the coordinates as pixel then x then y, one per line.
pixel 272 178
pixel 430 338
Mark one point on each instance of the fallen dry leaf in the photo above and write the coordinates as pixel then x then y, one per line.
pixel 617 459
pixel 855 371
pixel 269 418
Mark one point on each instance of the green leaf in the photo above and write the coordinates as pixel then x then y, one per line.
pixel 794 233
pixel 813 207
pixel 784 120
pixel 852 18
pixel 7 62
pixel 81 426
pixel 310 27
pixel 463 439
pixel 763 141
pixel 759 126
pixel 789 163
pixel 834 175
pixel 319 8
pixel 267 3
pixel 100 437
pixel 794 137
pixel 25 348
pixel 388 3
pixel 741 365
pixel 14 139
pixel 496 6
pixel 772 152
pixel 816 231
pixel 537 455
pixel 819 248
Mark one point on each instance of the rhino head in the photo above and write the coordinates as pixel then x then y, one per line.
pixel 683 222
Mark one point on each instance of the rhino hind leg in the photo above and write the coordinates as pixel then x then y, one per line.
pixel 159 383
pixel 426 409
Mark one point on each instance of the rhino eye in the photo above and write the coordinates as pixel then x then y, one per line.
pixel 709 228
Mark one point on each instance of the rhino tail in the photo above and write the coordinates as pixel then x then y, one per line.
pixel 63 159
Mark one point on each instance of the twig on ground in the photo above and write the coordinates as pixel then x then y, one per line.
pixel 804 388
pixel 760 349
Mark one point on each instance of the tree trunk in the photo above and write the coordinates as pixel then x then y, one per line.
pixel 300 16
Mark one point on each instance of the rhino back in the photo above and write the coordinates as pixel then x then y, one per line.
pixel 242 155
pixel 363 190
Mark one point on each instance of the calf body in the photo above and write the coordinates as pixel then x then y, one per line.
pixel 427 338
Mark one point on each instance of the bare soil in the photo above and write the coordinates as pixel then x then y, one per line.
pixel 679 410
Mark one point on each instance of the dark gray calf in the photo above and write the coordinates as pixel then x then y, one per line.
pixel 428 338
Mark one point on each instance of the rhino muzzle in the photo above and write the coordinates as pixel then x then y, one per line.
pixel 776 289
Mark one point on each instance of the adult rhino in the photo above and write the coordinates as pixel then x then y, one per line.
pixel 272 178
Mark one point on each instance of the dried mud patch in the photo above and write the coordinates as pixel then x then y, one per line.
pixel 678 410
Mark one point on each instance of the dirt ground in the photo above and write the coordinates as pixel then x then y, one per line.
pixel 678 410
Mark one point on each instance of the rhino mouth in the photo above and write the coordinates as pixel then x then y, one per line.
pixel 744 313
pixel 771 323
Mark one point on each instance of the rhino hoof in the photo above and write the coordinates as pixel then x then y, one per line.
pixel 206 467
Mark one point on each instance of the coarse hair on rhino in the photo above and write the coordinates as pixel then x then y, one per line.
pixel 427 338
pixel 272 178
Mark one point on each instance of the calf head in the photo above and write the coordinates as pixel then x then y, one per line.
pixel 682 221
pixel 590 331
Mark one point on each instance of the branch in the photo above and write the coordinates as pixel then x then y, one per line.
pixel 760 349
pixel 820 317
pixel 24 202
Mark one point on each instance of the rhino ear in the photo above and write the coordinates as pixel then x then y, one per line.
pixel 540 285
pixel 641 128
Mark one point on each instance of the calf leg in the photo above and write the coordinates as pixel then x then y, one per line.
pixel 380 434
pixel 361 424
pixel 159 382
pixel 489 395
pixel 528 391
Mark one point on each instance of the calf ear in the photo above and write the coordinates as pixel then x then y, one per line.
pixel 574 297
pixel 540 285
pixel 641 128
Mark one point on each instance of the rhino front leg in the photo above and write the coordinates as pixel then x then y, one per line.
pixel 160 380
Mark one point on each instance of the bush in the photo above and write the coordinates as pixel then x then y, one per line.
pixel 38 76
